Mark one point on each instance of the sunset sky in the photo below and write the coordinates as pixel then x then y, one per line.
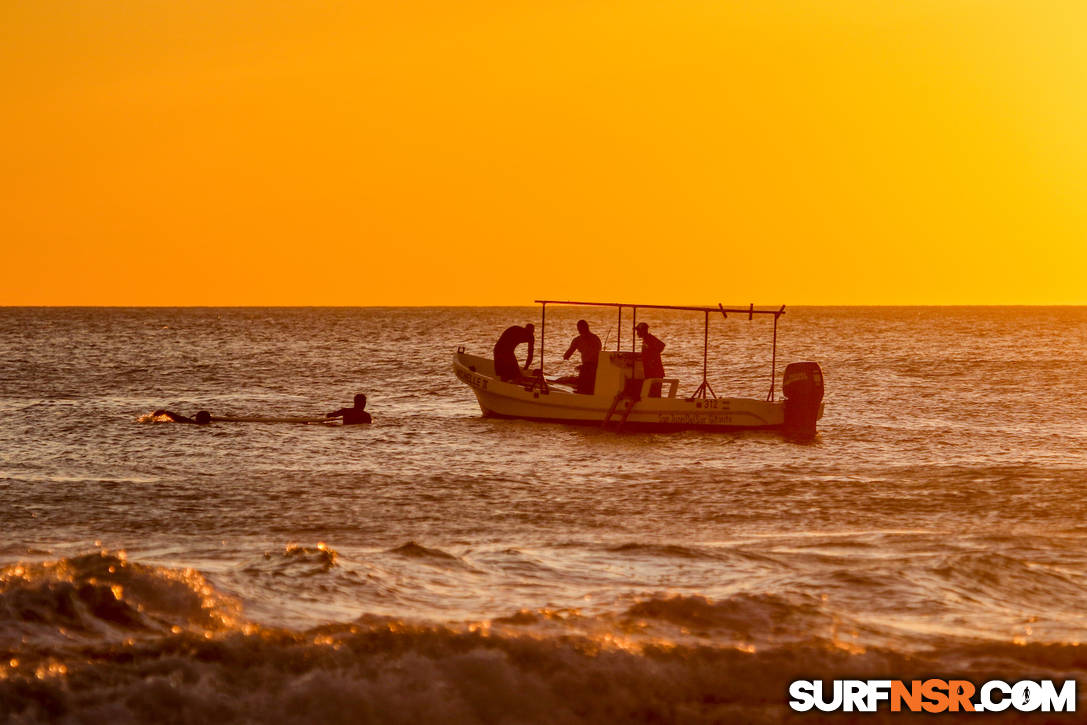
pixel 231 152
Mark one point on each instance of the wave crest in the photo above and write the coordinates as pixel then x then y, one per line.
pixel 105 595
pixel 323 555
pixel 747 617
pixel 418 551
pixel 670 551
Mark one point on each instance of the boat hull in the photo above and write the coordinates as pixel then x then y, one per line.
pixel 553 404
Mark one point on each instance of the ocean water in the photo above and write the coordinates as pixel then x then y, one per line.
pixel 442 567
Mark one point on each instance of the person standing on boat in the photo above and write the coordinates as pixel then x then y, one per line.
pixel 651 357
pixel 589 346
pixel 505 357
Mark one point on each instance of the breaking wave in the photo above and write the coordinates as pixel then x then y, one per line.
pixel 105 597
pixel 98 638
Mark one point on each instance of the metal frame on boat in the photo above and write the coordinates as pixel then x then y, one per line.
pixel 624 398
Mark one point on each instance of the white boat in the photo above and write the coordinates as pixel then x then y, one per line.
pixel 623 398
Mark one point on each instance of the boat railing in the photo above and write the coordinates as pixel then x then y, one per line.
pixel 704 390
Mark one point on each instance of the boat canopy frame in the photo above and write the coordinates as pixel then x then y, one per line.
pixel 704 388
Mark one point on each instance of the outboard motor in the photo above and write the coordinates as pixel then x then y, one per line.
pixel 803 387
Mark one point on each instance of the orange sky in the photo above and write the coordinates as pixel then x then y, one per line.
pixel 801 152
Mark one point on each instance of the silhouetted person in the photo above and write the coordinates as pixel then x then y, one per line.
pixel 651 357
pixel 355 415
pixel 589 346
pixel 201 418
pixel 505 358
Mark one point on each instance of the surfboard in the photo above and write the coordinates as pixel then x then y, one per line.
pixel 268 419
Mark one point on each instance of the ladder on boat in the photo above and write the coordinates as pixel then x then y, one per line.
pixel 630 394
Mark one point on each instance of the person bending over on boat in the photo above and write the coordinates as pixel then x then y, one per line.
pixel 589 346
pixel 355 415
pixel 201 418
pixel 651 357
pixel 505 357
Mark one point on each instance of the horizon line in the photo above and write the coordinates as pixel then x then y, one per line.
pixel 485 306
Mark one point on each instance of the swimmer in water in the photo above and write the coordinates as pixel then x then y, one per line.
pixel 201 418
pixel 355 415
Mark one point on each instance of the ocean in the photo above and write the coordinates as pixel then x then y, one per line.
pixel 438 566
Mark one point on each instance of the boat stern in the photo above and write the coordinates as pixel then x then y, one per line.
pixel 802 384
